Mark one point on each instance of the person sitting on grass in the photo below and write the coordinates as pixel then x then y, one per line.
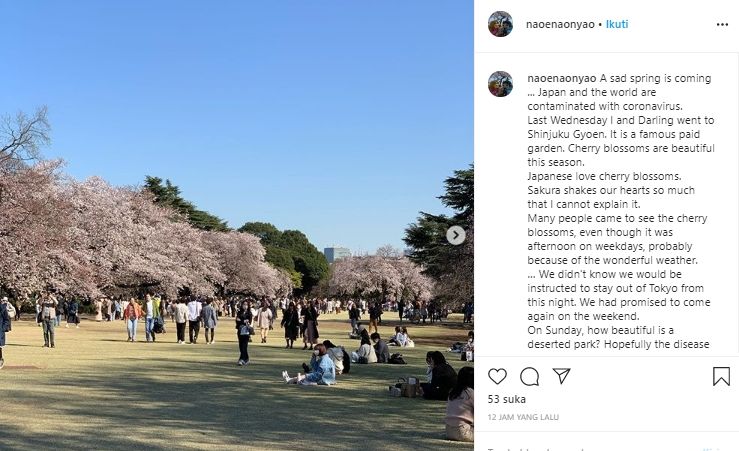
pixel 408 342
pixel 397 338
pixel 381 349
pixel 460 412
pixel 323 371
pixel 337 354
pixel 443 378
pixel 468 349
pixel 365 353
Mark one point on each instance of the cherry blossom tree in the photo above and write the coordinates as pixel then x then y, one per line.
pixel 34 247
pixel 133 244
pixel 91 238
pixel 380 277
pixel 240 257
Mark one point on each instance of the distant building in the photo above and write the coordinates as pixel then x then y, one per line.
pixel 336 253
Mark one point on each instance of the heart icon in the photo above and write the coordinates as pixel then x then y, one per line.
pixel 497 375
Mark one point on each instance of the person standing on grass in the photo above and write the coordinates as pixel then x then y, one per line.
pixel 354 317
pixel 291 323
pixel 37 305
pixel 273 306
pixel 108 309
pixel 243 331
pixel 194 307
pixel 48 305
pixel 264 321
pixel 373 315
pixel 302 312
pixel 9 307
pixel 131 315
pixel 4 327
pixel 18 305
pixel 180 319
pixel 116 310
pixel 210 320
pixel 61 309
pixel 424 312
pixel 151 314
pixel 310 336
pixel 73 313
pixel 159 307
pixel 99 310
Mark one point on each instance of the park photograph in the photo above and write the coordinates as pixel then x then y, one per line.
pixel 236 225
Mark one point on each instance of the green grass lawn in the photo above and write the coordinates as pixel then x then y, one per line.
pixel 97 391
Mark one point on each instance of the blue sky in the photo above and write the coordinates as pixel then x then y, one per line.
pixel 337 118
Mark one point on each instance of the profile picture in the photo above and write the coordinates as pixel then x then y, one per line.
pixel 500 24
pixel 500 84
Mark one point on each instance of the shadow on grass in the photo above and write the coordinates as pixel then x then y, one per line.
pixel 167 396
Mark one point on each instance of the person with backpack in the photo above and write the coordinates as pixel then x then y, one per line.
pixel 159 308
pixel 5 326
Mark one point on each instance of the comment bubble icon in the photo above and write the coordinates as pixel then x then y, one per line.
pixel 530 377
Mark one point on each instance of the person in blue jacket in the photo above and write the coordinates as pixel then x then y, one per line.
pixel 323 371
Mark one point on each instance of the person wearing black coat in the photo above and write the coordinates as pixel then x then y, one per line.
pixel 291 323
pixel 243 331
pixel 354 318
pixel 443 378
pixel 310 335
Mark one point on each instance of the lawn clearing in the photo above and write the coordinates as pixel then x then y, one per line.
pixel 97 391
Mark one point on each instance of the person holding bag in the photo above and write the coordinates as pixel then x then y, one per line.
pixel 243 331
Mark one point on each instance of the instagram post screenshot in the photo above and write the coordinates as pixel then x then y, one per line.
pixel 606 152
pixel 236 225
pixel 270 225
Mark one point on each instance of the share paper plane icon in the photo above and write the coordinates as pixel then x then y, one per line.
pixel 562 373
